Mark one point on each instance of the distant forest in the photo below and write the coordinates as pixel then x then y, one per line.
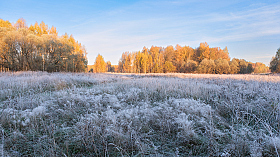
pixel 203 59
pixel 39 48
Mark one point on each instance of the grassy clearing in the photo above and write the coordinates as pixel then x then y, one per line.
pixel 65 114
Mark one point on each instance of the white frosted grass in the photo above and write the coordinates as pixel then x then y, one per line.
pixel 2 142
pixel 130 114
pixel 40 110
pixel 247 77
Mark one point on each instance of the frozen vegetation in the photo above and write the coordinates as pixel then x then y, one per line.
pixel 67 114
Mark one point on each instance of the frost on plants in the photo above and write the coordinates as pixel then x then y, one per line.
pixel 79 114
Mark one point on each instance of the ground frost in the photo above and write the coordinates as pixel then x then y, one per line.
pixel 69 114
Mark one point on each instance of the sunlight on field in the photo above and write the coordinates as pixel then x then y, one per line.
pixel 86 114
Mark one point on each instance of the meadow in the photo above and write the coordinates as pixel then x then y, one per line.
pixel 87 114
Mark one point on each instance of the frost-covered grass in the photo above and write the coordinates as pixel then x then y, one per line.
pixel 65 114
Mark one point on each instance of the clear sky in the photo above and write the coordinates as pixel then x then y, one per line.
pixel 249 28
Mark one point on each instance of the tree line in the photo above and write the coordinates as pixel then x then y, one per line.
pixel 100 66
pixel 178 59
pixel 275 62
pixel 39 48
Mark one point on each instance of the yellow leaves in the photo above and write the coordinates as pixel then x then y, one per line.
pixel 169 67
pixel 181 59
pixel 205 52
pixel 27 46
pixel 99 65
pixel 53 31
pixel 260 68
pixel 206 66
pixel 21 23
pixel 6 23
pixel 42 28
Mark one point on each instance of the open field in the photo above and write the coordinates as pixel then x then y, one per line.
pixel 82 114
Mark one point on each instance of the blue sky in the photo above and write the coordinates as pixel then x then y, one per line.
pixel 249 28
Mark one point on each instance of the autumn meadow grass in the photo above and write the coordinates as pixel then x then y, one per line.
pixel 86 114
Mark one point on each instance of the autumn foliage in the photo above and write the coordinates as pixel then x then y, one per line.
pixel 99 65
pixel 39 48
pixel 203 59
pixel 275 62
